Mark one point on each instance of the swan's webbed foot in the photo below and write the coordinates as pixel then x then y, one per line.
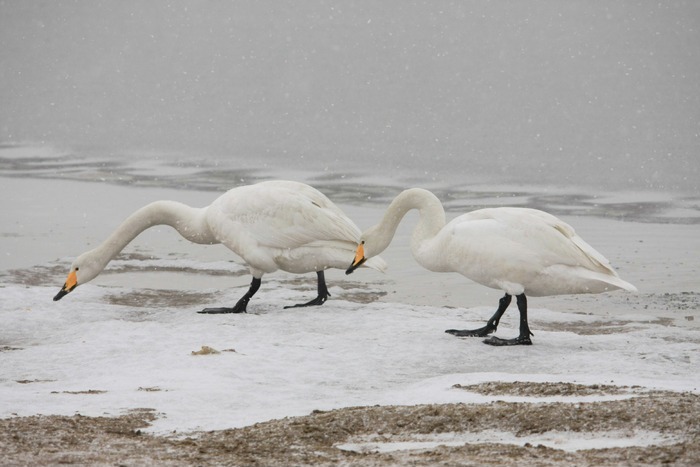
pixel 497 341
pixel 240 307
pixel 525 333
pixel 320 300
pixel 323 293
pixel 481 332
pixel 491 324
pixel 220 311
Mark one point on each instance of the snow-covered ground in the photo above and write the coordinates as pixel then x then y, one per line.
pixel 130 338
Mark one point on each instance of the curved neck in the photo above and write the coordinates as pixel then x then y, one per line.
pixel 189 222
pixel 431 220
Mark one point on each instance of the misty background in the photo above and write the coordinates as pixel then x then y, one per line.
pixel 597 94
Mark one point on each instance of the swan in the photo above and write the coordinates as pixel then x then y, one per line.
pixel 271 225
pixel 521 251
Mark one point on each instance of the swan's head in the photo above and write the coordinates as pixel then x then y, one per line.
pixel 371 244
pixel 360 258
pixel 84 269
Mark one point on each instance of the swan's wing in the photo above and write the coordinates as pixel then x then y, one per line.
pixel 568 232
pixel 283 215
pixel 285 225
pixel 527 235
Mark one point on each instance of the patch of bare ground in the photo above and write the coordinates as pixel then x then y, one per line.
pixel 158 298
pixel 590 328
pixel 36 276
pixel 353 291
pixel 54 273
pixel 360 296
pixel 78 440
pixel 602 327
pixel 664 309
pixel 313 439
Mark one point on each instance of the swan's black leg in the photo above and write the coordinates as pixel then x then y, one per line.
pixel 240 306
pixel 525 333
pixel 323 293
pixel 491 325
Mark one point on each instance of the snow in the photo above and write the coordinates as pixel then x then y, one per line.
pixel 566 441
pixel 275 363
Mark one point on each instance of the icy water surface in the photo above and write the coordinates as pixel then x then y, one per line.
pixel 348 187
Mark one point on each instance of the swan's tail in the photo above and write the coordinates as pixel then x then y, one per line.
pixel 377 263
pixel 619 283
pixel 609 279
pixel 564 280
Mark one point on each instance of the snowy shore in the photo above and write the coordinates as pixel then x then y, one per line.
pixel 126 340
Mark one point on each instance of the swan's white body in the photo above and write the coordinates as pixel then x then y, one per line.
pixel 271 225
pixel 517 250
pixel 283 225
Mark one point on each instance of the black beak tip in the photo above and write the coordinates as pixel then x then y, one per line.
pixel 60 295
pixel 354 266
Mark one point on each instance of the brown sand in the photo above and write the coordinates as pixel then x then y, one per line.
pixel 314 439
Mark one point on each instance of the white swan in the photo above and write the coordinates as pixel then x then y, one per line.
pixel 271 225
pixel 521 251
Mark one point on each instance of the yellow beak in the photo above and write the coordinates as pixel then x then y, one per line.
pixel 71 283
pixel 359 258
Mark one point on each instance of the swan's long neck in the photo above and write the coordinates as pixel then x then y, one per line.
pixel 189 222
pixel 432 219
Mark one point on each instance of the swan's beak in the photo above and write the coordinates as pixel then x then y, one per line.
pixel 359 258
pixel 71 283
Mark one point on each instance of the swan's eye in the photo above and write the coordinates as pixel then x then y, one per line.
pixel 77 269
